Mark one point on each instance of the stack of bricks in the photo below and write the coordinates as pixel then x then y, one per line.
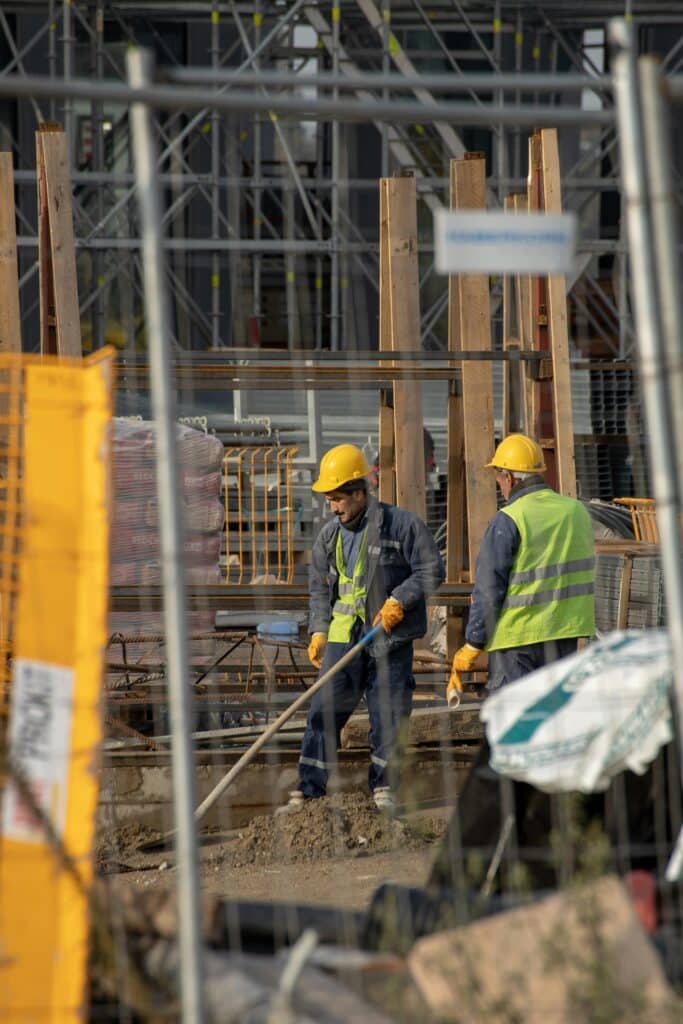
pixel 135 539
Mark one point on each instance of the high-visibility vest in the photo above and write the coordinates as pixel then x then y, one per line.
pixel 351 594
pixel 550 588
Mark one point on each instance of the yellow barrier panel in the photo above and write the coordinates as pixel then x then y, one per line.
pixel 55 729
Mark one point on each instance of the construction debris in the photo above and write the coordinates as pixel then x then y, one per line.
pixel 557 960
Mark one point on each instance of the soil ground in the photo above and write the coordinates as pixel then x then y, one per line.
pixel 335 852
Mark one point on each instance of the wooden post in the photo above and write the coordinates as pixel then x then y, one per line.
pixel 386 407
pixel 469 178
pixel 404 319
pixel 521 205
pixel 513 391
pixel 10 315
pixel 60 327
pixel 456 496
pixel 558 329
pixel 553 421
pixel 541 424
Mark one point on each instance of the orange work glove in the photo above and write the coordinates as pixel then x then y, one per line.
pixel 454 689
pixel 465 658
pixel 390 614
pixel 316 647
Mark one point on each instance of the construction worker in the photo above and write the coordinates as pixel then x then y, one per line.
pixel 533 591
pixel 372 562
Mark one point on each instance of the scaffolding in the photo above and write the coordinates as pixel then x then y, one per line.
pixel 272 220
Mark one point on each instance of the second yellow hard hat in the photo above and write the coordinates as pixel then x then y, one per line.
pixel 518 452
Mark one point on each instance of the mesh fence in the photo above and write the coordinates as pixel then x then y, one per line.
pixel 396 915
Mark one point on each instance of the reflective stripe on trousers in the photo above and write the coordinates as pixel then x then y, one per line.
pixel 386 682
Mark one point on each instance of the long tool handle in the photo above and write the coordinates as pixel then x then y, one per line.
pixel 250 754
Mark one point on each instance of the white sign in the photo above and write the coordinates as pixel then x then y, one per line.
pixel 492 242
pixel 39 742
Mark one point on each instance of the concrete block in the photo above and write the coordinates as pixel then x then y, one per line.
pixel 576 956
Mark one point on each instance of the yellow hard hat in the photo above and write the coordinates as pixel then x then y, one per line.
pixel 339 466
pixel 518 452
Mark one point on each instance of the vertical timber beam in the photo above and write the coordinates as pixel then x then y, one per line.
pixel 523 286
pixel 10 315
pixel 477 377
pixel 540 421
pixel 386 406
pixel 404 299
pixel 552 416
pixel 511 342
pixel 455 509
pixel 60 325
pixel 558 330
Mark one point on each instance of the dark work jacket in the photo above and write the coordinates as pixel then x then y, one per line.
pixel 497 551
pixel 402 562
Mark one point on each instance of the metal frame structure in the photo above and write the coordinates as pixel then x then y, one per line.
pixel 259 206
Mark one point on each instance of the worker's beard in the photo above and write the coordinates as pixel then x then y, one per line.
pixel 353 525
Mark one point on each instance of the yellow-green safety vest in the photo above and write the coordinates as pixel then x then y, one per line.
pixel 351 593
pixel 551 583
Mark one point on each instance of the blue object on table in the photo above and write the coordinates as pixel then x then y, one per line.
pixel 285 630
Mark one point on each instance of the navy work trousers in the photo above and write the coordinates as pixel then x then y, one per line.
pixel 388 684
pixel 512 663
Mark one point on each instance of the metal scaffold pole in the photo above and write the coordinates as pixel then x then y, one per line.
pixel 140 64
pixel 646 183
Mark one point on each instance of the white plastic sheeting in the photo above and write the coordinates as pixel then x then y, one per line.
pixel 573 725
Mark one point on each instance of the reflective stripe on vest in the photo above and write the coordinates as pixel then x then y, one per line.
pixel 351 591
pixel 550 587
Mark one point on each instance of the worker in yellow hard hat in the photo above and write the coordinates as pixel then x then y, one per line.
pixel 534 575
pixel 371 562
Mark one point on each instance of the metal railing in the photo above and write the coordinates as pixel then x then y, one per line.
pixel 259 514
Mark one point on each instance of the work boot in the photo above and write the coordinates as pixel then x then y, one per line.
pixel 384 800
pixel 293 805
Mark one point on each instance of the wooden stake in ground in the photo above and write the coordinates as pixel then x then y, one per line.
pixel 60 326
pixel 401 282
pixel 10 315
pixel 468 177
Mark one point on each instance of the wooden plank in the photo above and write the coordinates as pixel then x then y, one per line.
pixel 558 329
pixel 56 232
pixel 10 314
pixel 477 377
pixel 386 488
pixel 48 324
pixel 456 494
pixel 512 381
pixel 523 283
pixel 541 425
pixel 404 295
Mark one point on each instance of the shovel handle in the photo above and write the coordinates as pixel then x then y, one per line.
pixel 249 755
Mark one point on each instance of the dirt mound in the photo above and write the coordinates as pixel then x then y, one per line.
pixel 345 825
pixel 118 842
